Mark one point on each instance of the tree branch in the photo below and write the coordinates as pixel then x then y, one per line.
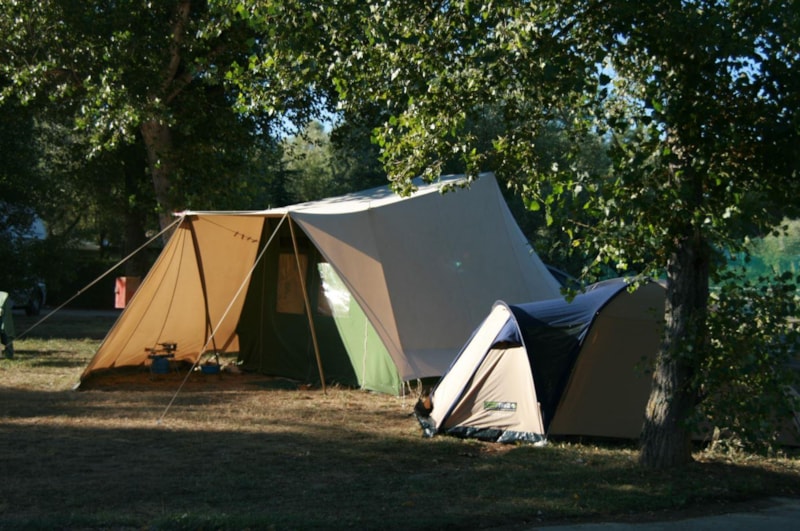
pixel 181 19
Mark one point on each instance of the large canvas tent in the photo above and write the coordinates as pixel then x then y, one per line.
pixel 369 289
pixel 553 367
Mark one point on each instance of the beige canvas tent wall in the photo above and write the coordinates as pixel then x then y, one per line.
pixel 420 268
pixel 553 368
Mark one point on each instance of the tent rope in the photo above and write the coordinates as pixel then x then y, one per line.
pixel 310 318
pixel 102 276
pixel 364 355
pixel 245 281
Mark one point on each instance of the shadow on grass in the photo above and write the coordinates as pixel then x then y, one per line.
pixel 48 358
pixel 293 459
pixel 66 324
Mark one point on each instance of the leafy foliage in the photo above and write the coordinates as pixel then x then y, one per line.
pixel 153 75
pixel 18 195
pixel 748 376
pixel 322 165
pixel 777 252
pixel 309 157
pixel 697 100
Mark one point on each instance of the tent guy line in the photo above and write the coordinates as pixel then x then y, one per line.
pixel 101 277
pixel 219 323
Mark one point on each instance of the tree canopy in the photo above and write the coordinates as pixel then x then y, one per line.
pixel 699 101
pixel 146 74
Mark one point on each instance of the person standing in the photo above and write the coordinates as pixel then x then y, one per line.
pixel 7 332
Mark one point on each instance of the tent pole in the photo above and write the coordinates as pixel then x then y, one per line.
pixel 203 287
pixel 308 306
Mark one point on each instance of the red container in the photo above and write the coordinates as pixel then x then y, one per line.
pixel 124 289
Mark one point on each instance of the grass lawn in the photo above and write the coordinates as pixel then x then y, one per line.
pixel 242 451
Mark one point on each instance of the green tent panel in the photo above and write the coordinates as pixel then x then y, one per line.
pixel 370 360
pixel 274 322
pixel 274 332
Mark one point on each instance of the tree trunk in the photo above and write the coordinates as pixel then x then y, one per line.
pixel 158 143
pixel 666 437
pixel 156 133
pixel 135 215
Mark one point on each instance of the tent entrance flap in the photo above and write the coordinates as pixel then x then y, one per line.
pixel 274 333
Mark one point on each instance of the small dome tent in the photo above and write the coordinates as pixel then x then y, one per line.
pixel 553 367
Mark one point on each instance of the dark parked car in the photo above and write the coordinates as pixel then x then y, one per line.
pixel 31 299
pixel 21 231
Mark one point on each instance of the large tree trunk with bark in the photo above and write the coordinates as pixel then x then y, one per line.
pixel 666 437
pixel 158 143
pixel 156 132
pixel 135 215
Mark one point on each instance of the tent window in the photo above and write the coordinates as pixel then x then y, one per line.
pixel 290 290
pixel 334 296
pixel 323 302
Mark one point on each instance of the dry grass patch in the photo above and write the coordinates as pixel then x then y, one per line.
pixel 245 451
